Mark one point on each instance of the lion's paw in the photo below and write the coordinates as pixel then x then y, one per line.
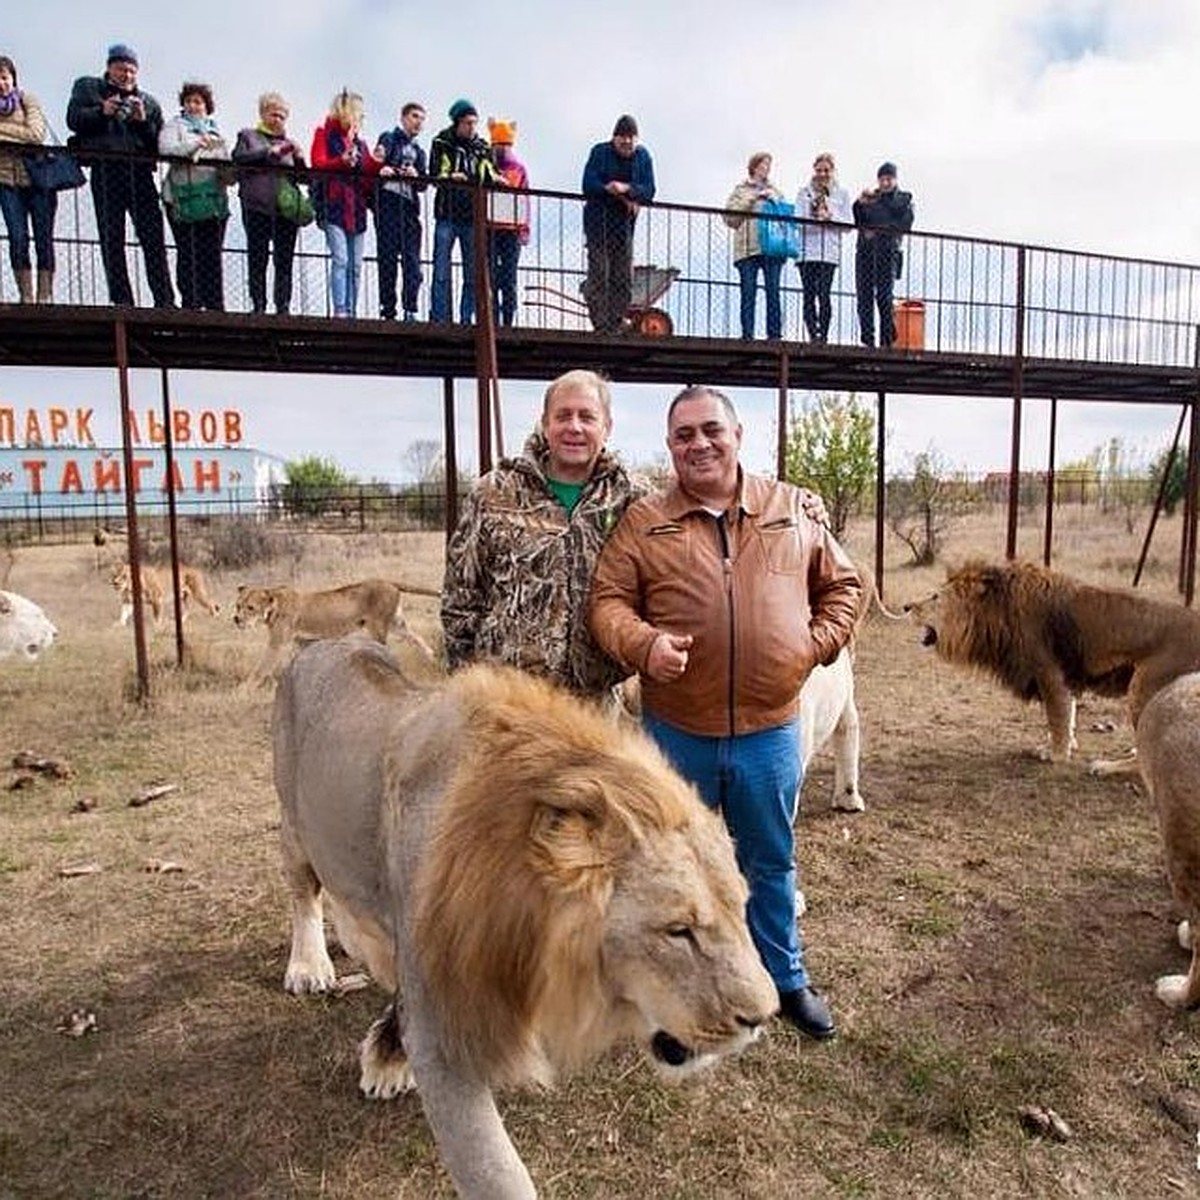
pixel 1172 990
pixel 1184 934
pixel 384 1079
pixel 309 978
pixel 849 802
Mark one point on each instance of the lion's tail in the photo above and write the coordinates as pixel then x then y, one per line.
pixel 415 589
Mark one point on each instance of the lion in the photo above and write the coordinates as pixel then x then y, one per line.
pixel 156 587
pixel 533 878
pixel 1049 637
pixel 1168 756
pixel 291 615
pixel 25 629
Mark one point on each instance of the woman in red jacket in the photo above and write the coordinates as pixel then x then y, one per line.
pixel 340 196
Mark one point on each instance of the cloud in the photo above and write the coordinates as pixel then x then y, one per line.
pixel 1061 122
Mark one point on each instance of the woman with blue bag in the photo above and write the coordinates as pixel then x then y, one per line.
pixel 745 216
pixel 22 121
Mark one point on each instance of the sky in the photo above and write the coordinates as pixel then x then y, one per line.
pixel 1058 122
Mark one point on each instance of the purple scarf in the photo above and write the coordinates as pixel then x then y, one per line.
pixel 10 103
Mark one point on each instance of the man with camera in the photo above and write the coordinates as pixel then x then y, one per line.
pixel 883 216
pixel 111 117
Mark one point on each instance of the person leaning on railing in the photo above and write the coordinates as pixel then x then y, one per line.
pixel 883 215
pixel 110 114
pixel 267 145
pixel 618 179
pixel 340 197
pixel 508 220
pixel 22 121
pixel 398 211
pixel 458 153
pixel 821 200
pixel 195 197
pixel 748 257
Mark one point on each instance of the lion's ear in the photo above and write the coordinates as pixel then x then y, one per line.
pixel 582 834
pixel 271 611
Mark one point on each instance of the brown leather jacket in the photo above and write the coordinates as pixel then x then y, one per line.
pixel 766 593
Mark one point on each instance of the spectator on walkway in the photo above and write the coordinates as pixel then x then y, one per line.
pixel 520 563
pixel 617 180
pixel 748 257
pixel 823 200
pixel 398 211
pixel 458 154
pixel 508 220
pixel 22 122
pixel 883 216
pixel 194 194
pixel 341 196
pixel 261 153
pixel 724 594
pixel 111 115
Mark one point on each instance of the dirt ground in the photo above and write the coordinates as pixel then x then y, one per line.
pixel 988 933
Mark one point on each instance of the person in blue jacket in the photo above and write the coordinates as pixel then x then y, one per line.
pixel 398 211
pixel 617 181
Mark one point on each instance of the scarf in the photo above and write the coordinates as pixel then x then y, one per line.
pixel 200 125
pixel 10 103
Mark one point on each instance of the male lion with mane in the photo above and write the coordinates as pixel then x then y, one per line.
pixel 1049 637
pixel 535 881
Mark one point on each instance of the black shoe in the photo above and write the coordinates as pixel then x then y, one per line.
pixel 806 1009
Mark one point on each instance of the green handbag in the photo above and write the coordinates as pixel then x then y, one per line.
pixel 201 201
pixel 293 204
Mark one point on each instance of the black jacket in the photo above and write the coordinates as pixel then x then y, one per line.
pixel 884 216
pixel 94 131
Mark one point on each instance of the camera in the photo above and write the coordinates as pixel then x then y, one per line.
pixel 124 109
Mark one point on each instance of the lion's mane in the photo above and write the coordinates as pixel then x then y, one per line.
pixel 510 899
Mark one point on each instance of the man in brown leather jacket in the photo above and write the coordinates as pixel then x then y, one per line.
pixel 723 594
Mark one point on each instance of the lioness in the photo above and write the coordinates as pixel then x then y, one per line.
pixel 155 588
pixel 291 615
pixel 1168 754
pixel 1048 637
pixel 535 880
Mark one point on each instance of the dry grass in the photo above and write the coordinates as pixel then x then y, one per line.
pixel 988 932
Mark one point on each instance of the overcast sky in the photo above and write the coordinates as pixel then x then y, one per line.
pixel 1061 122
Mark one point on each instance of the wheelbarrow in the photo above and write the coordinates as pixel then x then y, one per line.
pixel 650 284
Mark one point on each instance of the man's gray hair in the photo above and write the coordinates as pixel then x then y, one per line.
pixel 581 381
pixel 694 391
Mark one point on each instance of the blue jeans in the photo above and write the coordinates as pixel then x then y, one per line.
pixel 345 265
pixel 445 234
pixel 504 254
pixel 752 780
pixel 748 269
pixel 21 208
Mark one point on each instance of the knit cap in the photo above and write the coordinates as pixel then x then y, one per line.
pixel 502 133
pixel 887 168
pixel 120 52
pixel 462 108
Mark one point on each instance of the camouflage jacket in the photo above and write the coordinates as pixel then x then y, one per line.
pixel 518 571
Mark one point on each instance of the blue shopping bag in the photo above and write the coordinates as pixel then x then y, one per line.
pixel 778 238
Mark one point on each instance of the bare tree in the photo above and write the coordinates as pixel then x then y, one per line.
pixel 922 508
pixel 424 460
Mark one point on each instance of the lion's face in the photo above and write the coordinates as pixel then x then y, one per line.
pixel 926 613
pixel 121 579
pixel 678 952
pixel 253 604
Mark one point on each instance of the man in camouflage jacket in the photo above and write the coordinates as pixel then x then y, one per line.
pixel 519 566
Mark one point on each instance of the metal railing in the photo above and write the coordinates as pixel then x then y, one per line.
pixel 975 294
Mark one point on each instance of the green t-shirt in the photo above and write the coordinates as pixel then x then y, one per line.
pixel 567 494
